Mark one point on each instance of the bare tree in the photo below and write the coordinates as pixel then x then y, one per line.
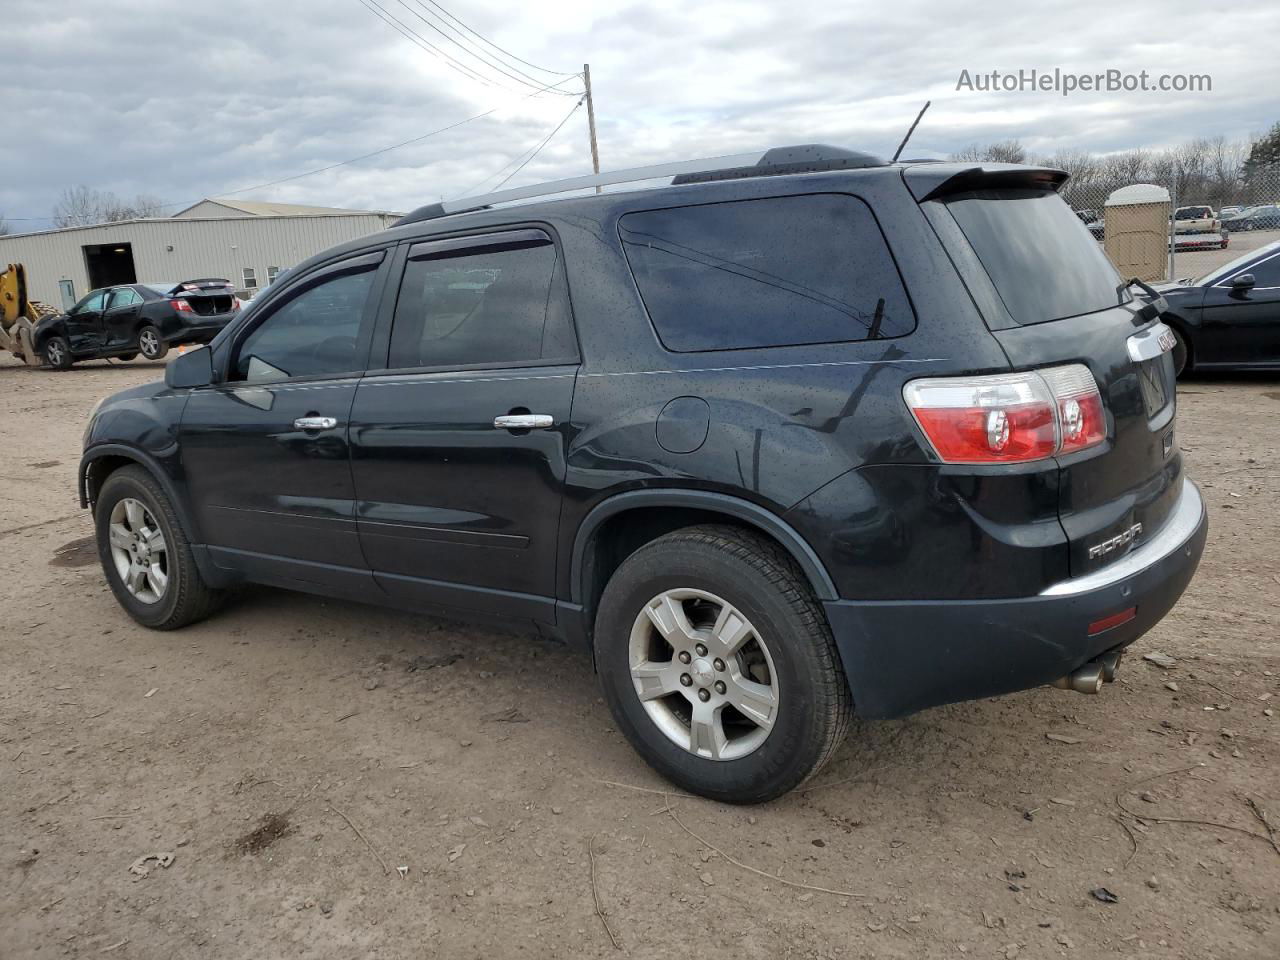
pixel 1004 151
pixel 84 206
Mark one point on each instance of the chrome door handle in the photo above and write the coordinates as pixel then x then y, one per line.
pixel 524 421
pixel 315 423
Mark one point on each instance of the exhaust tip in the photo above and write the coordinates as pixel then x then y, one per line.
pixel 1110 665
pixel 1088 679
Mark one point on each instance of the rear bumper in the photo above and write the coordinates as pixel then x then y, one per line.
pixel 903 656
pixel 201 330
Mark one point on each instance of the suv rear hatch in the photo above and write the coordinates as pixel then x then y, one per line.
pixel 208 298
pixel 1051 297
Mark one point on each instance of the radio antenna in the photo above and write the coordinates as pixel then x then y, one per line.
pixel 897 153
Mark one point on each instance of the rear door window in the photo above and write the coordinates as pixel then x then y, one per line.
pixel 781 271
pixel 1041 259
pixel 497 302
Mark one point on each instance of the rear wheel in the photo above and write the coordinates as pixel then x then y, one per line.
pixel 145 555
pixel 150 344
pixel 57 353
pixel 719 666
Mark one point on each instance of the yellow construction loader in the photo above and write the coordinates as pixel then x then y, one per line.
pixel 19 316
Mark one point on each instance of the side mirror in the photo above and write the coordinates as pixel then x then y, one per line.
pixel 191 369
pixel 1244 281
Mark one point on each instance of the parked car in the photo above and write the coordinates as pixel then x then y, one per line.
pixel 798 435
pixel 1098 229
pixel 1229 212
pixel 1230 318
pixel 1196 219
pixel 136 318
pixel 1264 217
pixel 1087 216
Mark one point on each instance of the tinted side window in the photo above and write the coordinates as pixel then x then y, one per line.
pixel 312 334
pixel 497 305
pixel 766 273
pixel 123 298
pixel 91 302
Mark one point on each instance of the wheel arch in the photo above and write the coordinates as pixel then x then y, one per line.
pixel 98 463
pixel 40 337
pixel 618 526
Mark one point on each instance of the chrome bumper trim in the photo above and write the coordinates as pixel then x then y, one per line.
pixel 1177 530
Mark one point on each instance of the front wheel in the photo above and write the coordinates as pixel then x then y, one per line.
pixel 1181 353
pixel 719 666
pixel 151 344
pixel 57 353
pixel 145 555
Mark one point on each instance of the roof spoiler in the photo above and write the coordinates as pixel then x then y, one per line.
pixel 933 181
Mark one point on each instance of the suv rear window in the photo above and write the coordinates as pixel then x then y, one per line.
pixel 775 272
pixel 1042 260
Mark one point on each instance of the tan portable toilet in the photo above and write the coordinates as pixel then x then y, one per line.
pixel 1136 231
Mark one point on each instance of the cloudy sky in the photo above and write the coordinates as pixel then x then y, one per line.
pixel 179 99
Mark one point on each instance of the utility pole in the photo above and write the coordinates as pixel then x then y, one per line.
pixel 591 119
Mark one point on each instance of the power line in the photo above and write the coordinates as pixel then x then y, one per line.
pixel 484 58
pixel 554 73
pixel 538 149
pixel 413 37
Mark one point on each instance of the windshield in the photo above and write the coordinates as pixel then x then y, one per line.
pixel 1040 257
pixel 1213 276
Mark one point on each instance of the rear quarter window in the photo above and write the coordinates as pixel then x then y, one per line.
pixel 780 271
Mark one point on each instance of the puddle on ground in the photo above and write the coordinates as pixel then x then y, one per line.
pixel 77 553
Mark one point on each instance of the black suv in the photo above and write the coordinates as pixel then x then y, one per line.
pixel 793 437
pixel 136 318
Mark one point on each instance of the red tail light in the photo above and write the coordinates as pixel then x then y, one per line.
pixel 1009 417
pixel 235 303
pixel 181 306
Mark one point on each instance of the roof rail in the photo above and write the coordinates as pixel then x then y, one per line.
pixel 806 158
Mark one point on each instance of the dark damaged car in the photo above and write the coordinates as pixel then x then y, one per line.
pixel 136 318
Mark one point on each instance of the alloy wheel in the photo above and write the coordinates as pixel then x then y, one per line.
pixel 139 550
pixel 53 353
pixel 149 343
pixel 703 674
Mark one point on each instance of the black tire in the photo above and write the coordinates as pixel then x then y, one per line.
pixel 759 579
pixel 57 353
pixel 150 344
pixel 1181 353
pixel 126 357
pixel 187 598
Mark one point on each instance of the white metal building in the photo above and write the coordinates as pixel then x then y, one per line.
pixel 245 242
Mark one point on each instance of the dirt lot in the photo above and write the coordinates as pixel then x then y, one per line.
pixel 329 784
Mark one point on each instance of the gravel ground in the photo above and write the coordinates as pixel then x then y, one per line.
pixel 335 780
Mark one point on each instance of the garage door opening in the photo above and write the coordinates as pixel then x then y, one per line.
pixel 109 264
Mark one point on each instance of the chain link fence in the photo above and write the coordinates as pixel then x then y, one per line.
pixel 1215 219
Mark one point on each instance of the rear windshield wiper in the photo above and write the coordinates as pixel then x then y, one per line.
pixel 1155 306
